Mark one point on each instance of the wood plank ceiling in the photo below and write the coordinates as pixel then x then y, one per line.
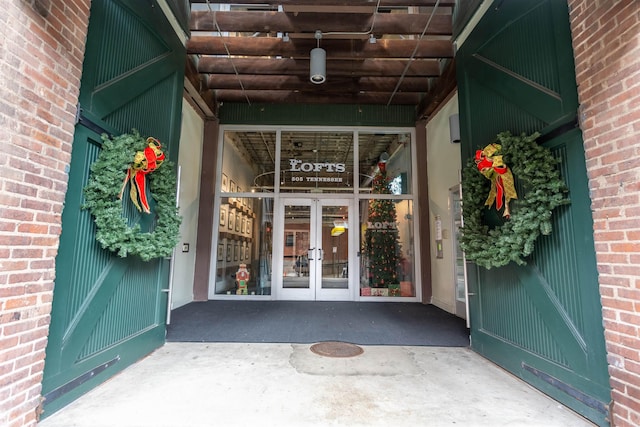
pixel 378 52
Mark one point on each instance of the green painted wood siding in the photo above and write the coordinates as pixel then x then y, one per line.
pixel 319 115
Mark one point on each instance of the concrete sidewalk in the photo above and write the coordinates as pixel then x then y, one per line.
pixel 198 385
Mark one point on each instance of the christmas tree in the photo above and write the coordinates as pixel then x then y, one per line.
pixel 381 236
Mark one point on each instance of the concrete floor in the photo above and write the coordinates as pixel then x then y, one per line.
pixel 204 384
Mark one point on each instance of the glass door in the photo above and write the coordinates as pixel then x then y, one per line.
pixel 315 250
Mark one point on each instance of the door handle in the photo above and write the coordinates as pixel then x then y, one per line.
pixel 321 253
pixel 310 253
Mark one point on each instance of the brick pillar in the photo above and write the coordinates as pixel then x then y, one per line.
pixel 41 51
pixel 606 42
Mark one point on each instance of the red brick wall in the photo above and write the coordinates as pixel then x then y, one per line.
pixel 606 41
pixel 40 67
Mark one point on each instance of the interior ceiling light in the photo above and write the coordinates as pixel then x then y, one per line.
pixel 339 227
pixel 337 231
pixel 318 63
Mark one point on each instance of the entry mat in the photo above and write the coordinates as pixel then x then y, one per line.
pixel 303 322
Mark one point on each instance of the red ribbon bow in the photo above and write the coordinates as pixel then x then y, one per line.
pixel 144 162
pixel 485 165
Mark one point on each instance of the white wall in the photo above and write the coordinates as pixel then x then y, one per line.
pixel 236 166
pixel 443 165
pixel 189 159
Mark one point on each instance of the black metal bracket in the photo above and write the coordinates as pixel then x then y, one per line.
pixel 76 382
pixel 587 400
pixel 83 120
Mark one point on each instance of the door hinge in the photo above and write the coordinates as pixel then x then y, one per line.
pixel 78 113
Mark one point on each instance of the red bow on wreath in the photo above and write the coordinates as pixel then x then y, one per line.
pixel 502 184
pixel 144 162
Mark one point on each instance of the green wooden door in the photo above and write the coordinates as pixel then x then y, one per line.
pixel 107 311
pixel 543 322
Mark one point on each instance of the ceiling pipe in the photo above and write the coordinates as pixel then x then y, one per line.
pixel 415 49
pixel 226 48
pixel 364 33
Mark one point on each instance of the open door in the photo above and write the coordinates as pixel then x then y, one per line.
pixel 542 321
pixel 107 311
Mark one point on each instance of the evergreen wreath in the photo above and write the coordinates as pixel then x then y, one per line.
pixel 542 189
pixel 102 199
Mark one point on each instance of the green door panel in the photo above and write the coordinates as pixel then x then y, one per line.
pixel 543 104
pixel 109 312
pixel 542 321
pixel 133 71
pixel 519 59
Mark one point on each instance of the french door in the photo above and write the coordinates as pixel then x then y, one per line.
pixel 315 248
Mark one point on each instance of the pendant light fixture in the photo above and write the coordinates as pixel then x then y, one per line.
pixel 318 63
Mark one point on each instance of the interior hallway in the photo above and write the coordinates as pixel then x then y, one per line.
pixel 240 384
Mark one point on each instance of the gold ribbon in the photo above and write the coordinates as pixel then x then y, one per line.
pixel 491 165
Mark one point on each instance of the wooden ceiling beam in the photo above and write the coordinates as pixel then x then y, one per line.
pixel 197 89
pixel 336 49
pixel 258 67
pixel 337 68
pixel 446 84
pixel 292 97
pixel 281 22
pixel 333 84
pixel 370 3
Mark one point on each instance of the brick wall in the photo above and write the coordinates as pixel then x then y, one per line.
pixel 40 67
pixel 606 39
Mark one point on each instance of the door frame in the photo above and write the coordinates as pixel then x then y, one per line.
pixel 419 283
pixel 315 292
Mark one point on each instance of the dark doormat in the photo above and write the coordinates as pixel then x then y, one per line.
pixel 365 323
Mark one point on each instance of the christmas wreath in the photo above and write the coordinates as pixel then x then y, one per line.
pixel 124 159
pixel 489 174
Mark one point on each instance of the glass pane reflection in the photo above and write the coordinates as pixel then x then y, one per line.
pixel 244 242
pixel 395 149
pixel 387 257
pixel 297 226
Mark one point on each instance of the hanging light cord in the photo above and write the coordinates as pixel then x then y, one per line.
pixel 226 48
pixel 415 49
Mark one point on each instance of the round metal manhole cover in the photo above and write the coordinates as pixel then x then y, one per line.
pixel 336 349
